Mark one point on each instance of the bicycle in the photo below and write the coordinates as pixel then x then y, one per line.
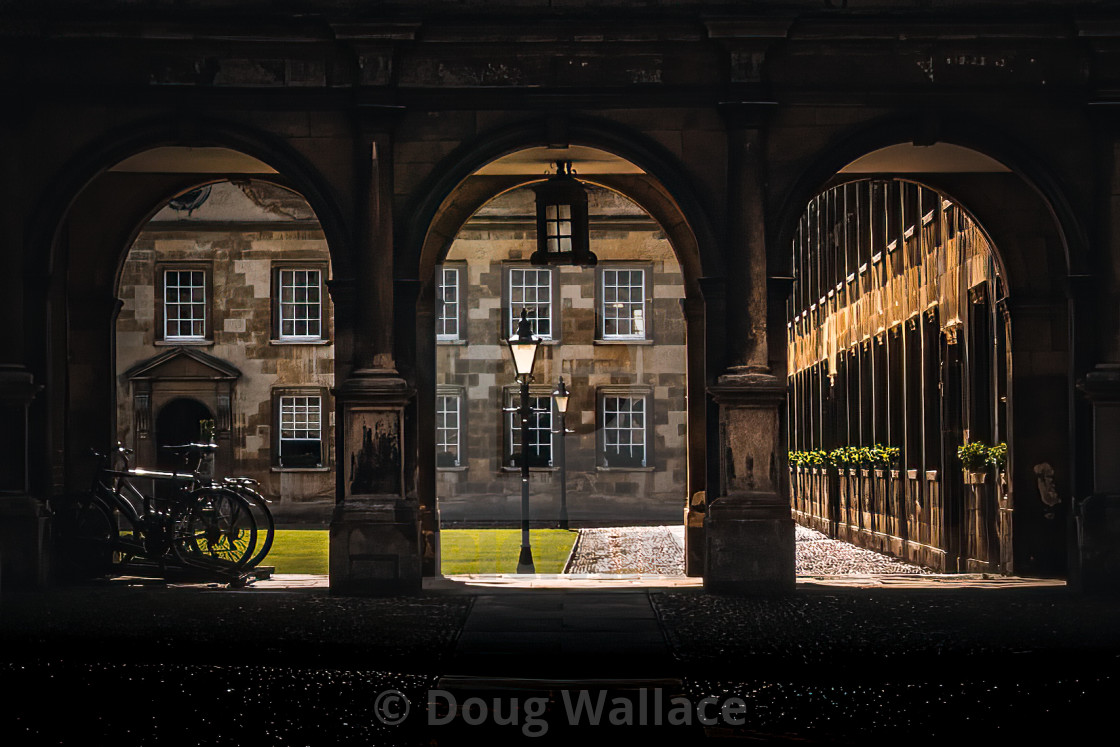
pixel 204 527
pixel 246 487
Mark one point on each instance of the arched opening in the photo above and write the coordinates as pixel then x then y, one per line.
pixel 143 243
pixel 224 304
pixel 618 333
pixel 178 422
pixel 917 419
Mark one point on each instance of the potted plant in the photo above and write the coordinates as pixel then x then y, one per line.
pixel 974 457
pixel 997 457
pixel 206 431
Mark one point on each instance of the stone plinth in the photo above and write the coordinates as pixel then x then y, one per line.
pixel 1095 566
pixel 694 542
pixel 750 546
pixel 375 547
pixel 24 519
pixel 749 528
pixel 375 543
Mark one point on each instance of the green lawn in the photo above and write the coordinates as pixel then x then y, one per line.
pixel 496 550
pixel 299 551
pixel 464 550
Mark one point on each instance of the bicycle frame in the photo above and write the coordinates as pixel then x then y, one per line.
pixel 155 532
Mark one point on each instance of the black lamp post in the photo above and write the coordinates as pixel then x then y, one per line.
pixel 560 396
pixel 562 232
pixel 523 350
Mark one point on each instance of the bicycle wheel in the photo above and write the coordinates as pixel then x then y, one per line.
pixel 265 523
pixel 217 530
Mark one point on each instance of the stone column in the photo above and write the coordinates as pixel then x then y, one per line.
pixel 24 527
pixel 749 528
pixel 696 510
pixel 375 531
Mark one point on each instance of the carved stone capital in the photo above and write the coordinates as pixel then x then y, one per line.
pixel 17 386
pixel 748 387
pixel 1102 384
pixel 375 386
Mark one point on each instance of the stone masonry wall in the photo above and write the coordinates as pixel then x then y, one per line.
pixel 240 242
pixel 483 488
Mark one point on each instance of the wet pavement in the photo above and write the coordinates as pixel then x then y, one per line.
pixel 544 659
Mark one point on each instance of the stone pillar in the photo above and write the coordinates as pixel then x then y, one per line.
pixel 696 510
pixel 1096 566
pixel 749 528
pixel 24 519
pixel 24 525
pixel 375 530
pixel 422 460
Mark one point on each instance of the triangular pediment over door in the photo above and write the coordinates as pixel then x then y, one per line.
pixel 181 373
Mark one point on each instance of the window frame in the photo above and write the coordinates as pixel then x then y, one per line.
pixel 460 430
pixel 460 269
pixel 278 396
pixel 161 270
pixel 601 271
pixel 276 300
pixel 509 322
pixel 643 393
pixel 511 398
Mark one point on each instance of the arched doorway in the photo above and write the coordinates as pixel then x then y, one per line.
pixel 178 422
pixel 224 302
pixel 614 332
pixel 660 376
pixel 898 366
pixel 923 322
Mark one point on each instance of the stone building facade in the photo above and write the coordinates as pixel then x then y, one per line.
pixel 225 316
pixel 615 332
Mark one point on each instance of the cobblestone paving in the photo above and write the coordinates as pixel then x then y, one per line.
pixel 654 550
pixel 628 550
pixel 817 555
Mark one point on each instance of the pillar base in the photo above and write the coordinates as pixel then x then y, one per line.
pixel 375 547
pixel 25 543
pixel 694 536
pixel 750 546
pixel 1097 566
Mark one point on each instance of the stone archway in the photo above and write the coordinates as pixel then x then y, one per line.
pixel 500 175
pixel 1032 250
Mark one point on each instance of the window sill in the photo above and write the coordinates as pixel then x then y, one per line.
pixel 183 343
pixel 296 341
pixel 515 470
pixel 634 341
pixel 625 469
pixel 451 342
pixel 460 468
pixel 300 469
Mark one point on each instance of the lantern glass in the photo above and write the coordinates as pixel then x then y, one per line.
pixel 561 395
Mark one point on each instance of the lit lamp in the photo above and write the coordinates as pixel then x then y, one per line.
pixel 561 396
pixel 562 234
pixel 523 350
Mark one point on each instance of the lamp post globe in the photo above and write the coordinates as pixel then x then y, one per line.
pixel 561 396
pixel 523 349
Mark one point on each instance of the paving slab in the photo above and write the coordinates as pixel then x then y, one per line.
pixel 571 633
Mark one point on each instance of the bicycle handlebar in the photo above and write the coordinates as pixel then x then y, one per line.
pixel 191 448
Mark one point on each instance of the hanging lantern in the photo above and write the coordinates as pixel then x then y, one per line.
pixel 562 235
